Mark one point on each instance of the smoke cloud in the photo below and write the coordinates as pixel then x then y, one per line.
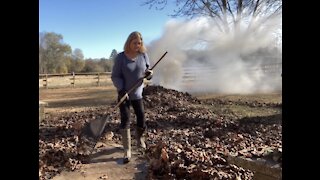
pixel 203 59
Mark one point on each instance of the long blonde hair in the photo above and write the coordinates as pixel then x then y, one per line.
pixel 131 37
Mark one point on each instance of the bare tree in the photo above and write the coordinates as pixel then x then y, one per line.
pixel 226 13
pixel 77 54
pixel 77 63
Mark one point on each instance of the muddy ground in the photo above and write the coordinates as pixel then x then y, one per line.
pixel 192 132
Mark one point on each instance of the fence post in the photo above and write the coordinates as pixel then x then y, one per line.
pixel 45 81
pixel 73 79
pixel 98 82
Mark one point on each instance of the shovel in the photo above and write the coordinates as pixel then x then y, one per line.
pixel 94 128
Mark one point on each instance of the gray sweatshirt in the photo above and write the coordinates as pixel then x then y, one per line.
pixel 125 73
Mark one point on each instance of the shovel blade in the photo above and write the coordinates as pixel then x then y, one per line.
pixel 95 127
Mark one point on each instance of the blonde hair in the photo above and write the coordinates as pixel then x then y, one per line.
pixel 131 37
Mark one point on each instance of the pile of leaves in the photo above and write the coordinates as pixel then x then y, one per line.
pixel 185 139
pixel 189 141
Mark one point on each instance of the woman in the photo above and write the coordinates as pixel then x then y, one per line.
pixel 130 66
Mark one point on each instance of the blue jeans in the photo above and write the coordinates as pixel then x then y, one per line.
pixel 138 110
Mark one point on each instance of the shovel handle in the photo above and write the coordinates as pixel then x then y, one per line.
pixel 121 100
pixel 124 97
pixel 158 60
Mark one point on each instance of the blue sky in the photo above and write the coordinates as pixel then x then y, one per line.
pixel 98 26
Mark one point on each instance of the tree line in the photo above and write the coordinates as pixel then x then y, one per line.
pixel 55 56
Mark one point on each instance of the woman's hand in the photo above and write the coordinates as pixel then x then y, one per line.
pixel 148 74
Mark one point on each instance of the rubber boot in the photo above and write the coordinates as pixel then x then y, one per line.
pixel 140 138
pixel 126 141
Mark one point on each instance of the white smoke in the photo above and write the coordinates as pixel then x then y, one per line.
pixel 202 58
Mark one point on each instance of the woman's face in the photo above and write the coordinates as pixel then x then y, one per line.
pixel 135 44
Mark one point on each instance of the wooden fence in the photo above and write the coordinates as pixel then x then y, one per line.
pixel 191 75
pixel 198 73
pixel 74 79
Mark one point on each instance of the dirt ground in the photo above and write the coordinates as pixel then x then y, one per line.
pixel 107 165
pixel 76 99
pixel 81 98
